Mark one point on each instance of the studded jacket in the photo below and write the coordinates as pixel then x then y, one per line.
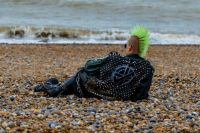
pixel 115 77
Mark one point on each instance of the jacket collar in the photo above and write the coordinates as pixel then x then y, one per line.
pixel 134 56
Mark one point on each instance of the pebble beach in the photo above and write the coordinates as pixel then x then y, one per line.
pixel 173 104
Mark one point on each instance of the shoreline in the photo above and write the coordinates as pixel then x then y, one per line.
pixel 173 104
pixel 46 44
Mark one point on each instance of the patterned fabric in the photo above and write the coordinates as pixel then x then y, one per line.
pixel 119 78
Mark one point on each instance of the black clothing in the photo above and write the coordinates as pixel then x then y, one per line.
pixel 52 87
pixel 114 78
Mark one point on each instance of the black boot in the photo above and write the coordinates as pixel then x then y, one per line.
pixel 39 88
pixel 51 87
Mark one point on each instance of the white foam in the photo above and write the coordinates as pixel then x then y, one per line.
pixel 157 38
pixel 104 37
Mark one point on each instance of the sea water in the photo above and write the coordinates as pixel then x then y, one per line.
pixel 98 21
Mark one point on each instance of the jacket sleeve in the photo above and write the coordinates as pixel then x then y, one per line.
pixel 94 64
pixel 143 89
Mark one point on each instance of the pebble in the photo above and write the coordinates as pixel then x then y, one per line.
pixel 97 125
pixel 138 110
pixel 2 130
pixel 12 98
pixel 41 116
pixel 75 115
pixel 4 124
pixel 18 113
pixel 69 98
pixel 49 107
pixel 24 125
pixel 152 120
pixel 18 123
pixel 90 122
pixel 195 113
pixel 129 131
pixel 150 127
pixel 138 130
pixel 74 123
pixel 80 100
pixel 194 124
pixel 52 124
pixel 94 126
pixel 189 117
pixel 129 110
pixel 11 124
pixel 91 110
pixel 42 111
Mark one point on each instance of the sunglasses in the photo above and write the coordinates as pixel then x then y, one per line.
pixel 125 45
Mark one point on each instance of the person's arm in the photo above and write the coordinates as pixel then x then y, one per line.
pixel 94 64
pixel 143 88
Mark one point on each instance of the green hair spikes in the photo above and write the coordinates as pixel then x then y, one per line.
pixel 143 34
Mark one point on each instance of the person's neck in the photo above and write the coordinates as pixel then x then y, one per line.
pixel 132 53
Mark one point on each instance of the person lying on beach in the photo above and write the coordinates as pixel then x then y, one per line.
pixel 113 77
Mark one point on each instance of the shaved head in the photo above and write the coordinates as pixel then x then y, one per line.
pixel 133 45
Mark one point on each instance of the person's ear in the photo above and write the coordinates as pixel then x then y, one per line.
pixel 130 47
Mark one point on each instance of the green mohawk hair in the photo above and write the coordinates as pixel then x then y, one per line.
pixel 143 35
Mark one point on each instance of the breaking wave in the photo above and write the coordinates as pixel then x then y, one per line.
pixel 27 35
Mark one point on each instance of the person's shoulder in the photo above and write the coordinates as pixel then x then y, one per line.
pixel 114 53
pixel 150 66
pixel 139 60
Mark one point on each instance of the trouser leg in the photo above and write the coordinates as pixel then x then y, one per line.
pixel 69 85
pixel 53 88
